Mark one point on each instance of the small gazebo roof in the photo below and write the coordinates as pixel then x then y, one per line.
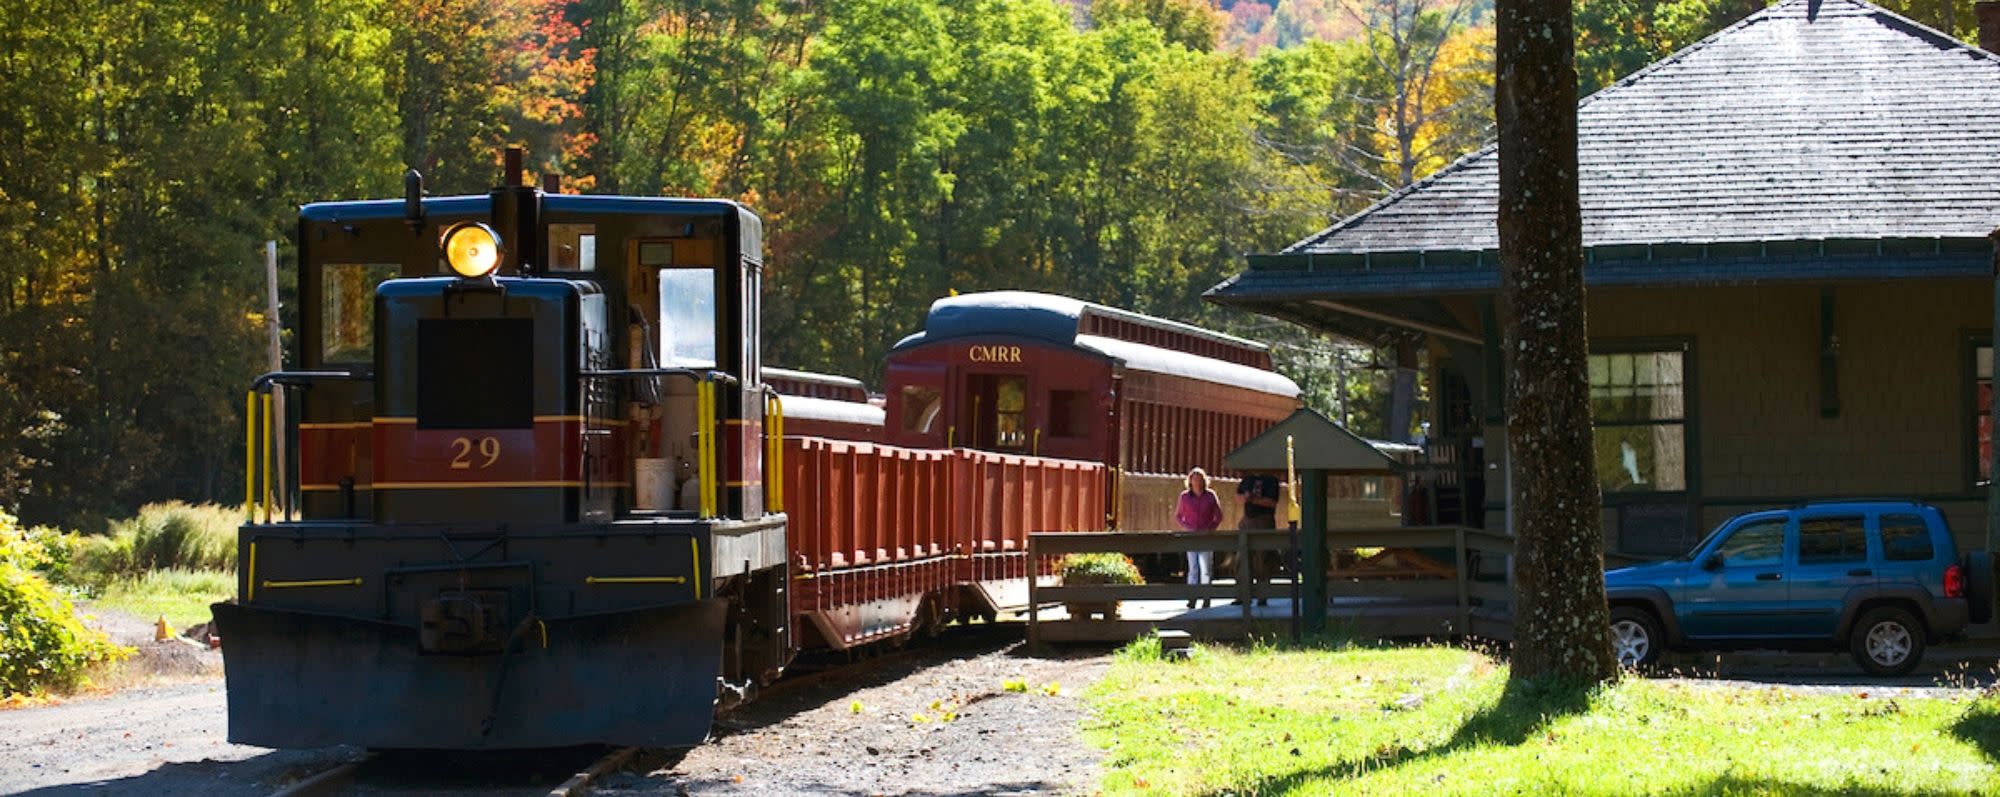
pixel 1317 444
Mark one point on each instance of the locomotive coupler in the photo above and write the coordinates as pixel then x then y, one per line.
pixel 464 623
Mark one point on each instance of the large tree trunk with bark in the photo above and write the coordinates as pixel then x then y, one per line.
pixel 1561 626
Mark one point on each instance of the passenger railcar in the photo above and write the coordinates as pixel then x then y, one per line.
pixel 1042 375
pixel 824 405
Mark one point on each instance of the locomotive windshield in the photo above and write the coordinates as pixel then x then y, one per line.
pixel 687 317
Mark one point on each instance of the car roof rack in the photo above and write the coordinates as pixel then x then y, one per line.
pixel 1861 499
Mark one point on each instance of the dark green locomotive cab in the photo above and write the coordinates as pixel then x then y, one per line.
pixel 515 495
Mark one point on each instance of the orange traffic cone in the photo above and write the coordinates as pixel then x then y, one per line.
pixel 161 632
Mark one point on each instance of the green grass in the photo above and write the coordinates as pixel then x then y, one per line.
pixel 1439 720
pixel 182 596
pixel 164 536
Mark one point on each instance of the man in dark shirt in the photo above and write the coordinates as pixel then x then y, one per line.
pixel 1258 492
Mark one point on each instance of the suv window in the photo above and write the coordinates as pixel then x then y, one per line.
pixel 1758 543
pixel 1830 540
pixel 1906 538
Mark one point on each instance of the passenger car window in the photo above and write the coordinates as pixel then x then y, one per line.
pixel 1906 538
pixel 1827 540
pixel 1760 543
pixel 921 404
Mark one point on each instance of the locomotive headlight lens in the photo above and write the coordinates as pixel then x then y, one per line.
pixel 473 250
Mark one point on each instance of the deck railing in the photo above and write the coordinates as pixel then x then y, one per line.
pixel 1470 594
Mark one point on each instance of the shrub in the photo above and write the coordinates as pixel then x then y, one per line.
pixel 43 644
pixel 169 536
pixel 1079 569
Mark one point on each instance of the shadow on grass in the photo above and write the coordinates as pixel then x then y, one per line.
pixel 1524 709
pixel 1732 784
pixel 1980 727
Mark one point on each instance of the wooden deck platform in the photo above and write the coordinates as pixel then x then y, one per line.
pixel 1472 599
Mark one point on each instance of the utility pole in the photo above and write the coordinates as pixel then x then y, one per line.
pixel 275 362
pixel 277 358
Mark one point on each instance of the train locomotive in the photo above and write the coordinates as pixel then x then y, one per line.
pixel 531 485
pixel 453 555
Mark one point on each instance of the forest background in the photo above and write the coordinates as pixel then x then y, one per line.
pixel 1128 152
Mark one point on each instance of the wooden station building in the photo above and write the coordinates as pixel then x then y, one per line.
pixel 1791 276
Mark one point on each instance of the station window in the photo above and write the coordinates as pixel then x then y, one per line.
pixel 1069 413
pixel 347 310
pixel 1638 406
pixel 687 317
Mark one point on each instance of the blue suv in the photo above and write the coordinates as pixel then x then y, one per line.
pixel 1880 578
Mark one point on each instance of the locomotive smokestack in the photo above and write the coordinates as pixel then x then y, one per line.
pixel 552 183
pixel 413 198
pixel 517 213
pixel 511 170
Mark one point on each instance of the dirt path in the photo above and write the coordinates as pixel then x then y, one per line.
pixel 931 725
pixel 163 740
pixel 938 721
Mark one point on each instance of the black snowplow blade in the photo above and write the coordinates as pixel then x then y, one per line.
pixel 641 678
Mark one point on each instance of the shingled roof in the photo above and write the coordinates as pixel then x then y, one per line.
pixel 1809 121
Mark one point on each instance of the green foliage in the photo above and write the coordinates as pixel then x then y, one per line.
pixel 1194 24
pixel 1146 648
pixel 43 644
pixel 167 536
pixel 1080 569
pixel 1445 721
pixel 897 150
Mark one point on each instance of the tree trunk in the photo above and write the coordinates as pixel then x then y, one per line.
pixel 1561 626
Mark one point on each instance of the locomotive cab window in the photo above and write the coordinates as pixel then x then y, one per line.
pixel 687 317
pixel 572 247
pixel 347 310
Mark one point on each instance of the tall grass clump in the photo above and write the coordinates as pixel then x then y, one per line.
pixel 166 536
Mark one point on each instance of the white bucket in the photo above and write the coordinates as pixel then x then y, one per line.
pixel 654 488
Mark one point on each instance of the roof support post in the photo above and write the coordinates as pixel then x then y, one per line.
pixel 1993 454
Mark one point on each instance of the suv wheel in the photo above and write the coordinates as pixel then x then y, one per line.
pixel 1635 636
pixel 1887 641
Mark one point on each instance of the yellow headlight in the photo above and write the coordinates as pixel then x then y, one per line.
pixel 473 250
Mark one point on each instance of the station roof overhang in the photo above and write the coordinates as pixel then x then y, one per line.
pixel 1378 296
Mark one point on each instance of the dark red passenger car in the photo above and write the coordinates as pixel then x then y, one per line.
pixel 1032 373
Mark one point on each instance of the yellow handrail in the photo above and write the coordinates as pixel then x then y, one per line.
pixel 774 467
pixel 705 446
pixel 250 455
pixel 270 451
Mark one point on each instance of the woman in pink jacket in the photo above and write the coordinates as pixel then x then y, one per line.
pixel 1199 510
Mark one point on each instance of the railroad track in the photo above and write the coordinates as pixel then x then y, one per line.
pixel 413 773
pixel 401 773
